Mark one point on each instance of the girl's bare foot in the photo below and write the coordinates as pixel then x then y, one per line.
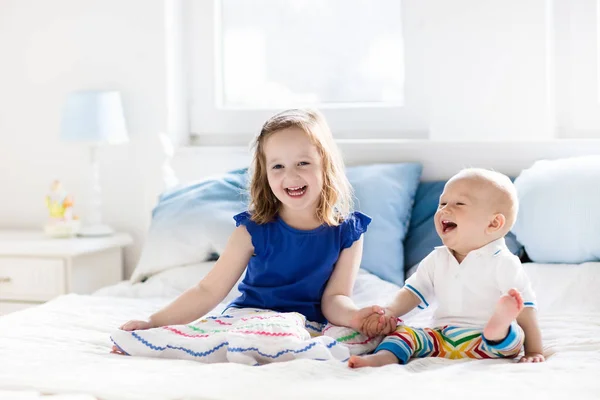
pixel 381 358
pixel 116 350
pixel 507 309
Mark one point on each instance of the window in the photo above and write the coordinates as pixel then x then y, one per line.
pixel 309 52
pixel 249 59
pixel 392 69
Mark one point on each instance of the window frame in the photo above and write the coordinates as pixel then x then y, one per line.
pixel 573 86
pixel 215 123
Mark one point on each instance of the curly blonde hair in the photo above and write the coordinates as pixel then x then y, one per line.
pixel 335 202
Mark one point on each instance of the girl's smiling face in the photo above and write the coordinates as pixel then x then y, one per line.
pixel 294 170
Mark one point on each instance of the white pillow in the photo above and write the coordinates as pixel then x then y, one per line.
pixel 179 243
pixel 192 222
pixel 559 214
pixel 169 283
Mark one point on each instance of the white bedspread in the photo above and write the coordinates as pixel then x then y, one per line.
pixel 63 347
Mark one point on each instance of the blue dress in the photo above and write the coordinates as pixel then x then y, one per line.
pixel 290 268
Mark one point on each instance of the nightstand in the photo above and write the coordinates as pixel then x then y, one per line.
pixel 35 268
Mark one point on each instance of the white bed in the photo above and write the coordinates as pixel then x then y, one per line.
pixel 63 347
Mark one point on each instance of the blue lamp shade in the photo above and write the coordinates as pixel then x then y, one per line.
pixel 94 117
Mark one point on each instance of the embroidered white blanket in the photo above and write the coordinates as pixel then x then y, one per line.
pixel 246 336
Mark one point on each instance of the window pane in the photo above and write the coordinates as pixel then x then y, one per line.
pixel 286 52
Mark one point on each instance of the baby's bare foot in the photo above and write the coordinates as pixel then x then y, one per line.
pixel 507 309
pixel 379 359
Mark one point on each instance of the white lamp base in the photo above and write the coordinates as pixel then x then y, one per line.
pixel 96 230
pixel 94 226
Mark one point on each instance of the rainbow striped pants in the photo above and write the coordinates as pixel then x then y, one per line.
pixel 450 342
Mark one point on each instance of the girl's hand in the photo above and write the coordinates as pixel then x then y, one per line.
pixel 532 358
pixel 373 321
pixel 361 316
pixel 136 325
pixel 378 323
pixel 372 325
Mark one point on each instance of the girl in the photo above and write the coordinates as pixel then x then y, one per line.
pixel 300 243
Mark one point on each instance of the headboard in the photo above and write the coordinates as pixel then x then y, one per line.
pixel 440 159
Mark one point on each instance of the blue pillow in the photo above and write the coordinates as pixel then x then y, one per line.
pixel 422 238
pixel 386 193
pixel 559 216
pixel 192 222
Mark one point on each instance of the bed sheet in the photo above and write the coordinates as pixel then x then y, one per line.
pixel 63 347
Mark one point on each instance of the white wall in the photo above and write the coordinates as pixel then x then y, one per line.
pixel 486 69
pixel 49 48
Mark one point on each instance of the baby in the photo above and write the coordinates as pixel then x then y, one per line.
pixel 480 286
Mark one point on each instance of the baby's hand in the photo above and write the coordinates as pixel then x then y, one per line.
pixel 373 321
pixel 361 315
pixel 376 324
pixel 532 358
pixel 372 325
pixel 388 322
pixel 136 325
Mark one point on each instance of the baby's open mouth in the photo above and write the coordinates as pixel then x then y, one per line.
pixel 296 191
pixel 448 226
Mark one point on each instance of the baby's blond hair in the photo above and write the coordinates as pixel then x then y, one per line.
pixel 504 192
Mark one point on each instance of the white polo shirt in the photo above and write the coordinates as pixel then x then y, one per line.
pixel 467 293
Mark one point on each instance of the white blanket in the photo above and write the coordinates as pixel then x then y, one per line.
pixel 246 336
pixel 63 347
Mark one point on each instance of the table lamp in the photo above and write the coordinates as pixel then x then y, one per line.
pixel 94 118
